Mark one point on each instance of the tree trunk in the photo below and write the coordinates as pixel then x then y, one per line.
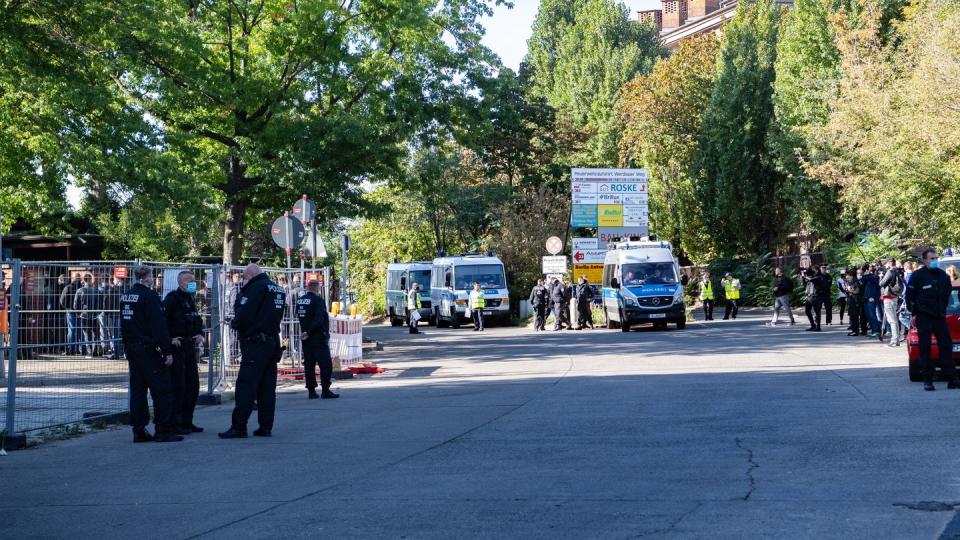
pixel 236 205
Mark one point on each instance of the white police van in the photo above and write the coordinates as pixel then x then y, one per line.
pixel 642 283
pixel 400 277
pixel 452 280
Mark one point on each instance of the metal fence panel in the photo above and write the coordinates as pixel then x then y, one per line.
pixel 64 332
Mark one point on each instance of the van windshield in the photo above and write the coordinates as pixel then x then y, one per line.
pixel 422 278
pixel 649 274
pixel 490 276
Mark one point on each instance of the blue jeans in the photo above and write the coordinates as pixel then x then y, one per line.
pixel 73 333
pixel 873 314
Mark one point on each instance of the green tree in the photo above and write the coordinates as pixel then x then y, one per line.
pixel 736 182
pixel 580 54
pixel 807 75
pixel 261 101
pixel 662 114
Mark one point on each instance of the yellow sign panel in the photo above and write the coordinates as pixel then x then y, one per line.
pixel 610 215
pixel 594 273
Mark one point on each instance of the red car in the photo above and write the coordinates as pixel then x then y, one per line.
pixel 953 323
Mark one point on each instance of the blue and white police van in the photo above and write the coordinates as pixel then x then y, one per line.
pixel 452 280
pixel 642 283
pixel 400 277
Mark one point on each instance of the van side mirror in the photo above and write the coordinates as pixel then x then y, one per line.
pixel 614 283
pixel 684 280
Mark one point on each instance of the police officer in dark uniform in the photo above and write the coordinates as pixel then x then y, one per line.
pixel 928 295
pixel 258 312
pixel 540 300
pixel 315 335
pixel 186 331
pixel 584 301
pixel 148 350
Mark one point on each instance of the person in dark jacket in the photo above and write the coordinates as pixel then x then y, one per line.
pixel 539 300
pixel 558 295
pixel 147 345
pixel 928 295
pixel 186 333
pixel 584 301
pixel 782 287
pixel 826 293
pixel 315 335
pixel 854 291
pixel 258 312
pixel 565 308
pixel 871 295
pixel 892 286
pixel 74 332
pixel 87 304
pixel 813 297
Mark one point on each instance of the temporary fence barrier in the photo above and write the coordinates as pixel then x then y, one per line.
pixel 346 340
pixel 61 355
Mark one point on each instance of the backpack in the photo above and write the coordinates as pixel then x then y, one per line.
pixel 898 286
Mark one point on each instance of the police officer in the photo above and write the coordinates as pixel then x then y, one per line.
pixel 476 303
pixel 315 335
pixel 257 315
pixel 539 299
pixel 928 295
pixel 813 290
pixel 413 306
pixel 584 299
pixel 706 296
pixel 149 355
pixel 558 298
pixel 186 331
pixel 731 289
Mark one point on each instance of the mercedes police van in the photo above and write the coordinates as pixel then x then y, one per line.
pixel 642 283
pixel 400 276
pixel 452 280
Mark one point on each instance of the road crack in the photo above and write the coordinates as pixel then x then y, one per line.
pixel 751 466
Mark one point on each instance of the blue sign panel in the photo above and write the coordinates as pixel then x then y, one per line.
pixel 584 215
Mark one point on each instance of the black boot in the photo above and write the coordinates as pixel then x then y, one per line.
pixel 928 386
pixel 195 428
pixel 327 394
pixel 168 436
pixel 953 385
pixel 142 436
pixel 260 432
pixel 312 394
pixel 233 433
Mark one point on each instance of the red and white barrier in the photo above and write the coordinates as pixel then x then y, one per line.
pixel 346 340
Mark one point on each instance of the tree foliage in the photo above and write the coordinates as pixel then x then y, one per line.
pixel 580 53
pixel 662 114
pixel 735 180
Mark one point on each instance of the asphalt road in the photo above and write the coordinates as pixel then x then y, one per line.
pixel 723 430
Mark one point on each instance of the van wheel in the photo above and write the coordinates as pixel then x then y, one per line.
pixel 393 320
pixel 624 325
pixel 681 324
pixel 454 320
pixel 440 322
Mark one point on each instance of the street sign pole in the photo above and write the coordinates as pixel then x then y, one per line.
pixel 344 248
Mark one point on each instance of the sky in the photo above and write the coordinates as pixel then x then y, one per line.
pixel 509 29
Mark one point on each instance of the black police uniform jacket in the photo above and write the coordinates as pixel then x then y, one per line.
pixel 539 296
pixel 182 317
pixel 142 322
pixel 928 292
pixel 312 313
pixel 258 308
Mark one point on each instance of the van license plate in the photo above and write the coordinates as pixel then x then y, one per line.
pixel 658 315
pixel 956 348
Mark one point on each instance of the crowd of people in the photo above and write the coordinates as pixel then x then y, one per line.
pixel 556 297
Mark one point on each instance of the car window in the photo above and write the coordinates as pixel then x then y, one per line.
pixel 953 307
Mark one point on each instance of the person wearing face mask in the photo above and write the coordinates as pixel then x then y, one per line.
pixel 146 343
pixel 186 333
pixel 928 295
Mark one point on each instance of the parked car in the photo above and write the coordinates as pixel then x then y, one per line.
pixel 953 323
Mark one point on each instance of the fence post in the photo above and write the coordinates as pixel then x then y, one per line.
pixel 11 440
pixel 216 354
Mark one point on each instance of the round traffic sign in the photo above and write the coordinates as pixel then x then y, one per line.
pixel 287 232
pixel 554 245
pixel 304 209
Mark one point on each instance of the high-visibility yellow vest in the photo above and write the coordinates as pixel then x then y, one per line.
pixel 413 300
pixel 477 301
pixel 706 291
pixel 732 289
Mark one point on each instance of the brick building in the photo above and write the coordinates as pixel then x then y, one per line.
pixel 679 19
